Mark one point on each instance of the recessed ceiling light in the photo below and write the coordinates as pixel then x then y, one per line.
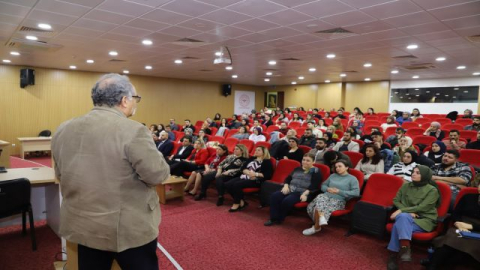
pixel 44 26
pixel 327 81
pixel 228 67
pixel 272 63
pixel 466 91
pixel 476 73
pixel 415 77
pixel 126 71
pixel 407 94
pixel 234 76
pixel 367 79
pixel 456 88
pixel 6 61
pixel 446 95
pixel 409 98
pixel 396 92
pixel 312 69
pixel 401 97
pixel 218 53
pixel 427 91
pixel 301 77
pixel 178 61
pixel 72 67
pixel 438 94
pixel 343 75
pixel 148 67
pixel 90 61
pixel 461 67
pixel 15 53
pixel 269 73
pixel 412 46
pixel 31 37
pixel 294 82
pixel 394 71
pixel 266 79
pixel 113 53
pixel 367 64
pixel 417 95
pixel 454 97
pixel 147 42
pixel 331 56
pixel 440 59
pixel 416 89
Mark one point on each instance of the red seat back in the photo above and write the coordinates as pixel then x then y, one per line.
pixel 465 191
pixel 452 126
pixel 257 144
pixel 390 131
pixel 360 142
pixel 231 143
pixel 445 197
pixel 470 156
pixel 300 131
pixel 359 175
pixel 294 125
pixel 464 121
pixel 443 121
pixel 355 157
pixel 284 168
pixel 229 133
pixel 218 139
pixel 249 144
pixel 324 169
pixel 408 125
pixel 272 128
pixel 211 151
pixel 427 140
pixel 415 131
pixel 305 148
pixel 423 121
pixel 381 189
pixel 176 145
pixel 368 129
pixel 468 135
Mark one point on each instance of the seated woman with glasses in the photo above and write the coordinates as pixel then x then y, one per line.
pixel 194 162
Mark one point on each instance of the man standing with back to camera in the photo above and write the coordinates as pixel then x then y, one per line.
pixel 108 168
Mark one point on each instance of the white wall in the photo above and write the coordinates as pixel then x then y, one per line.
pixel 441 108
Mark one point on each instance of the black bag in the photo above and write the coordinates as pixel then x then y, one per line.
pixel 279 149
pixel 369 218
pixel 266 191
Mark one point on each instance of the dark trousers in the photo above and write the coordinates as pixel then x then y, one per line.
pixel 220 183
pixel 141 258
pixel 236 185
pixel 281 204
pixel 206 181
pixel 183 166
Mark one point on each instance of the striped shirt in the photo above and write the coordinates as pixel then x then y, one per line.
pixel 403 171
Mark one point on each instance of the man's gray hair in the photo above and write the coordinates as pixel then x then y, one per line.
pixel 110 89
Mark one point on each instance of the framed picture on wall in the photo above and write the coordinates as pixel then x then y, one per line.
pixel 272 100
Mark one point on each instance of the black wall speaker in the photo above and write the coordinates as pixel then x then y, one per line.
pixel 227 89
pixel 27 77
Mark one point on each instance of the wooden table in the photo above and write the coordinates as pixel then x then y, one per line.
pixel 177 184
pixel 4 154
pixel 30 144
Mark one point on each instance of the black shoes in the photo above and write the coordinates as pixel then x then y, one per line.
pixel 199 197
pixel 392 263
pixel 220 201
pixel 271 222
pixel 405 254
pixel 231 210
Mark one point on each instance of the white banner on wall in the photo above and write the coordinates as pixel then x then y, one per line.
pixel 244 102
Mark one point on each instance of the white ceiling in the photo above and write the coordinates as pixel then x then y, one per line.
pixel 255 31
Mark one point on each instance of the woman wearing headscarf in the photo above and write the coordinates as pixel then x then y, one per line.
pixel 329 137
pixel 405 168
pixel 404 145
pixel 405 117
pixel 435 131
pixel 417 204
pixel 467 218
pixel 437 151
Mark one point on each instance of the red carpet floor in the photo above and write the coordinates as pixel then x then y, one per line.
pixel 17 162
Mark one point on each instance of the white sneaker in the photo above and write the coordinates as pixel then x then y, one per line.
pixel 311 231
pixel 323 221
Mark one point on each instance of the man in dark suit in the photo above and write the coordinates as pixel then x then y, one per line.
pixel 165 145
pixel 183 152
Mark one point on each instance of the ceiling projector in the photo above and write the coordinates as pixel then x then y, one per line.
pixel 223 56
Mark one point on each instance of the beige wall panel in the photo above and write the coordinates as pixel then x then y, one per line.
pixel 59 95
pixel 367 94
pixel 329 96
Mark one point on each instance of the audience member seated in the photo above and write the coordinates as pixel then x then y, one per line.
pixel 173 125
pixel 154 130
pixel 257 135
pixel 217 117
pixel 404 145
pixel 405 117
pixel 300 185
pixel 468 114
pixel 329 138
pixel 435 131
pixel 296 118
pixel 372 161
pixel 405 168
pixel 357 128
pixel 281 119
pixel 347 144
pixel 321 124
pixel 188 124
pixel 187 132
pixel 208 170
pixel 245 123
pixel 330 157
pixel 377 138
pixel 332 129
pixel 393 139
pixel 367 138
pixel 356 112
pixel 416 202
pixel 164 144
pixel 467 219
pixel 194 162
pixel 308 138
pixel 337 123
pixel 254 171
pixel 476 124
pixel 340 114
pixel 268 120
pixel 390 123
pixel 395 114
pixel 475 144
pixel 436 152
pixel 241 134
pixel 294 152
pixel 415 114
pixel 454 173
pixel 371 111
pixel 319 150
pixel 234 123
pixel 453 141
pixel 183 152
pixel 338 189
pixel 315 114
pixel 256 123
pixel 161 128
pixel 171 135
pixel 317 133
pixel 275 135
pixel 201 136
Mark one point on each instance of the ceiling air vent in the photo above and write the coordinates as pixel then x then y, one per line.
pixel 25 30
pixel 405 57
pixel 189 42
pixel 206 70
pixel 475 38
pixel 421 66
pixel 290 59
pixel 334 33
pixel 350 71
pixel 30 45
pixel 116 60
pixel 190 58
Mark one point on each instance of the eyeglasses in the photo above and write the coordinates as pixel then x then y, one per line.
pixel 137 98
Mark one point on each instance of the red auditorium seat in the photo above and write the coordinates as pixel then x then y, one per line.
pixel 427 140
pixel 231 143
pixel 360 142
pixel 470 156
pixel 300 131
pixel 468 135
pixel 176 145
pixel 423 121
pixel 368 129
pixel 219 139
pixel 229 133
pixel 369 122
pixel 390 131
pixel 305 148
pixel 325 174
pixel 339 133
pixel 294 125
pixel 452 126
pixel 464 121
pixel 465 191
pixel 355 157
pixel 409 125
pixel 442 210
pixel 272 128
pixel 415 131
pixel 443 121
pixel 257 144
pixel 381 189
pixel 249 144
pixel 211 151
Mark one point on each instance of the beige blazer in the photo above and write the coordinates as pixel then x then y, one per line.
pixel 108 168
